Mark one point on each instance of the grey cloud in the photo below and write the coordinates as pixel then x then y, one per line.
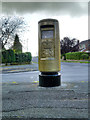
pixel 54 8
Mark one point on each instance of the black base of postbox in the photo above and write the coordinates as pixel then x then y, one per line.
pixel 49 79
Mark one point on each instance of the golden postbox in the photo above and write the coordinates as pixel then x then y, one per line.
pixel 49 52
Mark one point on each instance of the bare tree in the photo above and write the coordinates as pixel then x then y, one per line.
pixel 9 26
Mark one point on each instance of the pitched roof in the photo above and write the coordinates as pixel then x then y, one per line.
pixel 85 41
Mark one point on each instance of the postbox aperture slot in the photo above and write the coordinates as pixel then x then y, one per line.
pixel 47 26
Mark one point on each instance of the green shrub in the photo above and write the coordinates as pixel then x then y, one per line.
pixel 23 57
pixel 76 55
pixel 29 57
pixel 8 56
pixel 16 57
pixel 0 57
pixel 5 57
pixel 84 57
pixel 11 56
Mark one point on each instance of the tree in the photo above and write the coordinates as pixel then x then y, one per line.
pixel 75 46
pixel 17 46
pixel 68 45
pixel 8 28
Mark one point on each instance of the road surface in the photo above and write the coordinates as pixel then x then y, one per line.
pixel 23 98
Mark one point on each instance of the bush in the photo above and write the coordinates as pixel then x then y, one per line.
pixel 29 56
pixel 0 57
pixel 8 56
pixel 19 58
pixel 84 57
pixel 11 55
pixel 76 55
pixel 16 57
pixel 23 57
pixel 5 57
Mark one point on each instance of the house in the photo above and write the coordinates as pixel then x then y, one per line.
pixel 84 46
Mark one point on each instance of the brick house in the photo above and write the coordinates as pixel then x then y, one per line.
pixel 84 46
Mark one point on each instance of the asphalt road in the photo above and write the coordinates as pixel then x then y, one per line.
pixel 23 98
pixel 73 72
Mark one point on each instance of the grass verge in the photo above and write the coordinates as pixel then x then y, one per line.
pixel 75 61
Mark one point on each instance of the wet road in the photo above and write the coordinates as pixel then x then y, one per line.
pixel 70 72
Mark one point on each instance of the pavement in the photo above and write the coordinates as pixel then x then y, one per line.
pixel 24 99
pixel 20 68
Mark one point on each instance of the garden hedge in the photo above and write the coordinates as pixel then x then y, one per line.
pixel 77 56
pixel 23 57
pixel 9 56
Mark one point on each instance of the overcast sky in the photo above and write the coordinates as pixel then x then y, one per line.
pixel 72 17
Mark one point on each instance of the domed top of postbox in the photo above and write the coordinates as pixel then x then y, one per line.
pixel 48 20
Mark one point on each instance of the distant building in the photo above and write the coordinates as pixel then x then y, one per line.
pixel 84 46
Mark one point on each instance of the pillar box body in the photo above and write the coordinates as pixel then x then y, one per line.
pixel 49 52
